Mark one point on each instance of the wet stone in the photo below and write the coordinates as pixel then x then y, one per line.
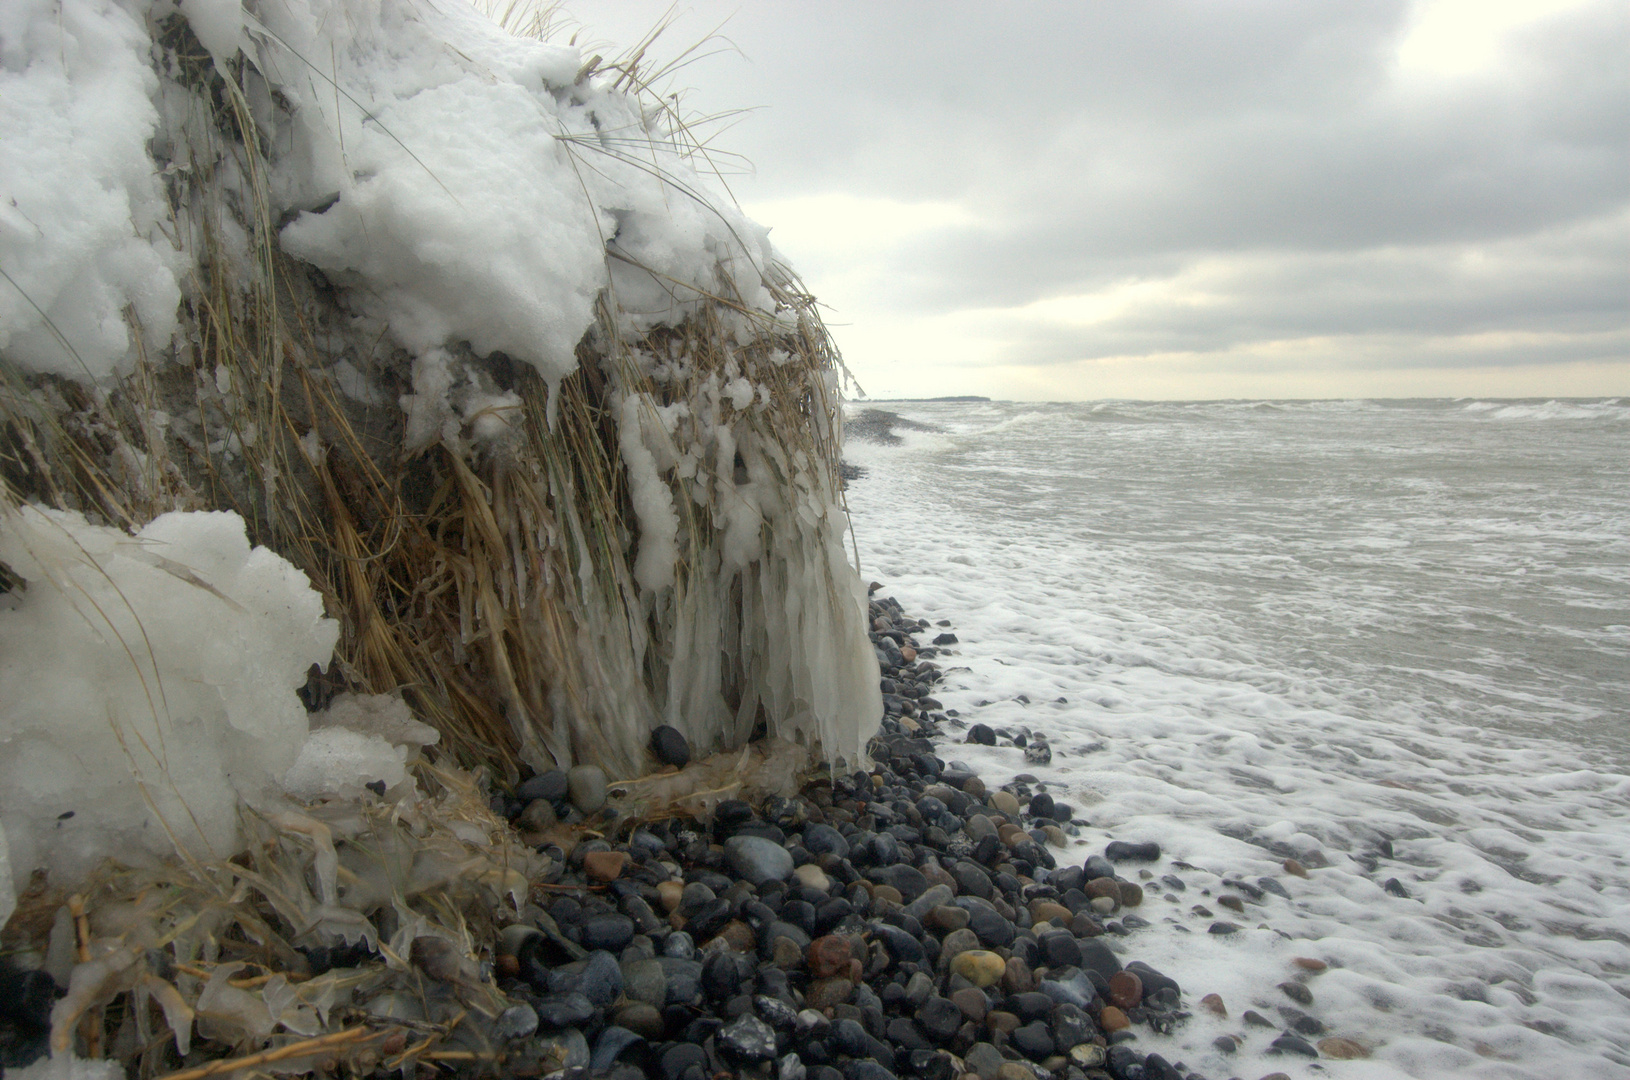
pixel 1342 1049
pixel 758 860
pixel 747 1039
pixel 1292 1044
pixel 1297 992
pixel 979 967
pixel 1125 989
pixel 1119 850
pixel 1112 1019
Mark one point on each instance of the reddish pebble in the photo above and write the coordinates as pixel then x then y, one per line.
pixel 1307 963
pixel 1125 989
pixel 1112 1019
pixel 1295 869
pixel 828 957
pixel 604 865
pixel 1213 1003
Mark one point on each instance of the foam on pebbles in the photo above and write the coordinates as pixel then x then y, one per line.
pixel 903 922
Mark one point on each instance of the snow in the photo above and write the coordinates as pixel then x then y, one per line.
pixel 82 215
pixel 160 673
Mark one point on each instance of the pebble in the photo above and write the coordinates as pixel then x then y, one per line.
pixel 979 967
pixel 604 866
pixel 586 787
pixel 1125 989
pixel 550 786
pixel 1292 1044
pixel 913 913
pixel 1295 869
pixel 670 746
pixel 1297 992
pixel 1307 963
pixel 757 860
pixel 1118 850
pixel 1342 1049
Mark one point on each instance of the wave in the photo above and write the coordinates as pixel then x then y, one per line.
pixel 1606 409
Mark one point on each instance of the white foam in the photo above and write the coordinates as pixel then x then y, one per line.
pixel 1269 645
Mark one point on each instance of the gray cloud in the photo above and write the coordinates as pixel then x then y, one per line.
pixel 1098 144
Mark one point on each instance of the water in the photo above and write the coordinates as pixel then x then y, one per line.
pixel 1253 630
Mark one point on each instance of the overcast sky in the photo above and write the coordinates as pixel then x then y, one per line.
pixel 1186 200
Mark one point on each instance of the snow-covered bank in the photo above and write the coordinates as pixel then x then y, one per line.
pixel 460 325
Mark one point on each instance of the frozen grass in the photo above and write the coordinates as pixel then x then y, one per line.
pixel 491 582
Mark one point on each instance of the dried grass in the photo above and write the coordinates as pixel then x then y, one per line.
pixel 493 589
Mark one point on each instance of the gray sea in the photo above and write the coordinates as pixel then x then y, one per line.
pixel 1330 630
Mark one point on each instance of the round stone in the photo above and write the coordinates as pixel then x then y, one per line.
pixel 642 1018
pixel 1005 802
pixel 1125 989
pixel 758 860
pixel 828 956
pixel 604 865
pixel 978 966
pixel 1112 1019
pixel 670 746
pixel 1296 992
pixel 586 786
pixel 811 876
pixel 1131 894
pixel 1213 1003
pixel 1342 1049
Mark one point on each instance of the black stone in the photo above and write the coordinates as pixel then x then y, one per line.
pixel 1097 958
pixel 940 1018
pixel 981 735
pixel 901 946
pixel 1124 1063
pixel 1060 950
pixel 1121 849
pixel 992 930
pixel 1396 888
pixel 679 1057
pixel 609 932
pixel 824 839
pixel 563 1010
pixel 908 879
pixel 1033 1040
pixel 1291 1044
pixel 670 746
pixel 1156 1067
pixel 550 785
pixel 945 639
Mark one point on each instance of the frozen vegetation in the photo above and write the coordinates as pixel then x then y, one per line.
pixel 213 215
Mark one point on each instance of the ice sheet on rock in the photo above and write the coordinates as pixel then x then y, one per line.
pixel 339 761
pixel 161 672
pixel 384 715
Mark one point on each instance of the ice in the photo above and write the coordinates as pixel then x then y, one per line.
pixel 153 685
pixel 339 761
pixel 68 1067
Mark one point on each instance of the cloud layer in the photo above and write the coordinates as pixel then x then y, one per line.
pixel 1245 189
